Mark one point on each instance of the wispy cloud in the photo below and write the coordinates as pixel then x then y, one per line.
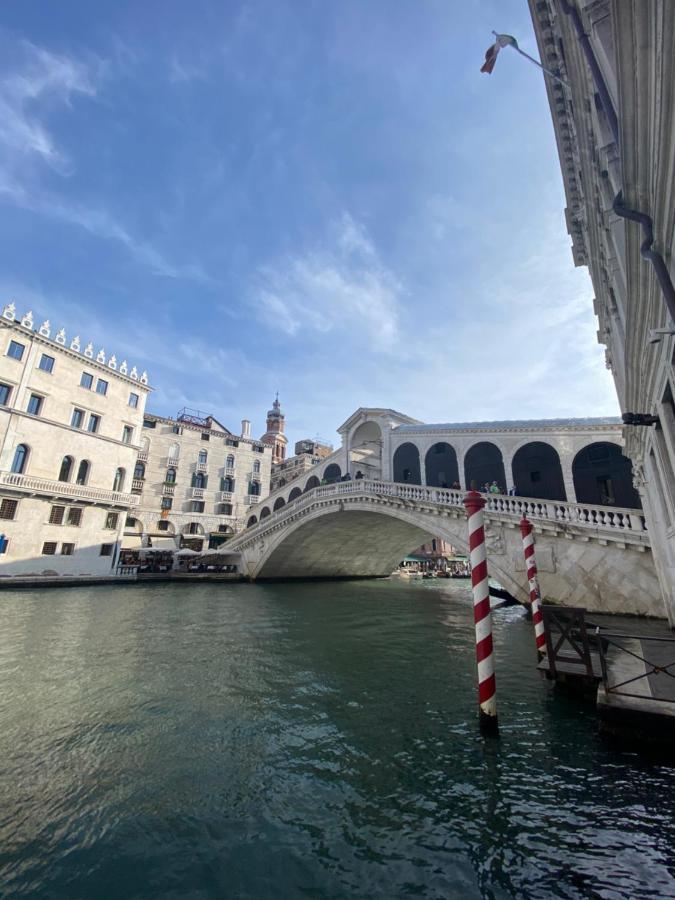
pixel 341 287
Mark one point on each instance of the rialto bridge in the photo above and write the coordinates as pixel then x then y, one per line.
pixel 572 479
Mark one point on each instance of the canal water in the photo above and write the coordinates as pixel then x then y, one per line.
pixel 309 740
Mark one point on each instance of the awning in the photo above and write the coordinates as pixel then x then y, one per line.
pixel 131 542
pixel 163 543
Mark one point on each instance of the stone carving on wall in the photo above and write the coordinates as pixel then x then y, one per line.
pixel 494 540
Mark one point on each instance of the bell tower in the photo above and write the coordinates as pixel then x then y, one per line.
pixel 275 432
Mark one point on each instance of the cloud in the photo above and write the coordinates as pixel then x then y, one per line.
pixel 342 288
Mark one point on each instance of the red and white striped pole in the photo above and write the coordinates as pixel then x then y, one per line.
pixel 487 690
pixel 526 531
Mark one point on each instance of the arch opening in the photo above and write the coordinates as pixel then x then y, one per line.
pixel 365 451
pixel 603 475
pixel 483 464
pixel 294 494
pixel 312 482
pixel 264 512
pixel 278 503
pixel 407 464
pixel 440 465
pixel 537 472
pixel 332 473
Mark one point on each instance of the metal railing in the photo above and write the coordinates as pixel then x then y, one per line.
pixel 49 488
pixel 609 639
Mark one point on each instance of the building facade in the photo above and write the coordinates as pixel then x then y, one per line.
pixel 615 130
pixel 70 425
pixel 195 480
pixel 274 436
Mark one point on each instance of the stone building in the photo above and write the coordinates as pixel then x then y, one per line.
pixel 308 453
pixel 195 480
pixel 615 130
pixel 274 436
pixel 70 425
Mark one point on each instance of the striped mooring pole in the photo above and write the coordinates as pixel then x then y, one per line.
pixel 487 690
pixel 526 531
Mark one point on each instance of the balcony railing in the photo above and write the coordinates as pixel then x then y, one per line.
pixel 172 461
pixel 137 485
pixel 142 455
pixel 197 493
pixel 201 467
pixel 224 496
pixel 168 489
pixel 48 488
pixel 252 499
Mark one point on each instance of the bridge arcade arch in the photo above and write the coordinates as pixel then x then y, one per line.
pixel 312 482
pixel 407 464
pixel 483 463
pixel 365 451
pixel 278 503
pixel 440 465
pixel 537 472
pixel 332 473
pixel 294 494
pixel 602 474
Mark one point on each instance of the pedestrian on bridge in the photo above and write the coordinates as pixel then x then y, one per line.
pixel 494 488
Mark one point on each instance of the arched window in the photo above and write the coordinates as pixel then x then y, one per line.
pixel 82 472
pixel 20 459
pixel 66 469
pixel 229 462
pixel 118 483
pixel 203 456
pixel 227 484
pixel 145 443
pixel 139 470
pixel 254 488
pixel 199 480
pixel 170 475
pixel 174 451
pixel 256 467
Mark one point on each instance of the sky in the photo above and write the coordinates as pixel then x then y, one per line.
pixel 325 199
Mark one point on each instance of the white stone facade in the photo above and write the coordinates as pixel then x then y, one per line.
pixel 615 131
pixel 77 414
pixel 195 481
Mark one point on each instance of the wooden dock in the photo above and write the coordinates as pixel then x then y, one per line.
pixel 633 675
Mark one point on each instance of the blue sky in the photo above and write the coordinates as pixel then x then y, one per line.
pixel 325 199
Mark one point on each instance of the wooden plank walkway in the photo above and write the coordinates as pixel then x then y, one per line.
pixel 638 681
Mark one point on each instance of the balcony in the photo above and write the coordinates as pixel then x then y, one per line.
pixel 196 493
pixel 45 487
pixel 228 471
pixel 201 467
pixel 252 499
pixel 137 485
pixel 172 461
pixel 224 496
pixel 142 456
pixel 168 489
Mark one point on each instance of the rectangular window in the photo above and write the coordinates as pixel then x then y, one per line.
pixel 205 436
pixel 94 422
pixel 111 520
pixel 198 506
pixel 46 363
pixel 101 387
pixel 56 515
pixel 258 448
pixel 77 418
pixel 167 502
pixel 8 508
pixel 127 434
pixel 34 405
pixel 4 544
pixel 86 380
pixel 5 394
pixel 162 526
pixel 133 400
pixel 106 549
pixel 177 429
pixel 67 549
pixel 15 350
pixel 75 516
pixel 49 548
pixel 230 442
pixel 149 423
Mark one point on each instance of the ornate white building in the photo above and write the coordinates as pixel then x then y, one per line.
pixel 70 425
pixel 615 130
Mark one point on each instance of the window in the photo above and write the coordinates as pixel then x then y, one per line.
pixel 177 429
pixel 258 448
pixel 225 509
pixel 170 476
pixel 77 418
pixel 229 462
pixel 56 515
pixel 82 472
pixel 127 434
pixel 203 456
pixel 223 529
pixel 20 459
pixel 5 393
pixel 206 436
pixel 118 481
pixel 67 549
pixel 254 488
pixel 199 480
pixel 149 423
pixel 49 548
pixel 162 526
pixel 106 549
pixel 227 484
pixel 197 506
pixel 112 519
pixel 8 508
pixel 139 470
pixel 130 522
pixel 15 350
pixel 34 405
pixel 133 400
pixel 66 468
pixel 46 363
pixel 192 528
pixel 86 380
pixel 230 442
pixel 101 386
pixel 174 451
pixel 167 502
pixel 256 467
pixel 94 422
pixel 75 516
pixel 4 544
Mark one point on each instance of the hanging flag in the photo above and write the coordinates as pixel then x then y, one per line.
pixel 502 40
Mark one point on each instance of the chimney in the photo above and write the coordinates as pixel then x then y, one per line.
pixel 245 428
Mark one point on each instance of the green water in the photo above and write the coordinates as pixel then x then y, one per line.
pixel 311 741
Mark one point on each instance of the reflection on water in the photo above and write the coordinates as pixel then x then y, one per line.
pixel 311 740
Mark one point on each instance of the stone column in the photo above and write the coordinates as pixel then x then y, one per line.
pixel 566 461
